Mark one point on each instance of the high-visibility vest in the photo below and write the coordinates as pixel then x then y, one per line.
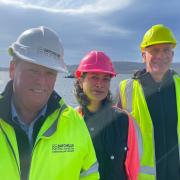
pixel 133 100
pixel 63 150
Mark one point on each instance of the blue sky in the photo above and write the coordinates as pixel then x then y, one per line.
pixel 113 26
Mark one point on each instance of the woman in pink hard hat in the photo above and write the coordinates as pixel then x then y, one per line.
pixel 111 129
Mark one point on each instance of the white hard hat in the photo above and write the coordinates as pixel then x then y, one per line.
pixel 40 46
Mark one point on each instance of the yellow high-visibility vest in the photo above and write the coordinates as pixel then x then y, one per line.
pixel 63 150
pixel 133 100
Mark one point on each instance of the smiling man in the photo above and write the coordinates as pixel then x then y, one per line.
pixel 41 137
pixel 153 98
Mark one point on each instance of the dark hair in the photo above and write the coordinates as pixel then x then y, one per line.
pixel 82 98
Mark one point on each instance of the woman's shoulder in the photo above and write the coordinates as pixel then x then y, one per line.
pixel 119 116
pixel 119 112
pixel 120 122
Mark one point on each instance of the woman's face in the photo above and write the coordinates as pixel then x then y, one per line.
pixel 96 86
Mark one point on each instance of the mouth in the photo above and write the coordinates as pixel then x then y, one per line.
pixel 159 66
pixel 156 65
pixel 98 92
pixel 38 91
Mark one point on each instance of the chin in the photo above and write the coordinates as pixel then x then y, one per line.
pixel 38 103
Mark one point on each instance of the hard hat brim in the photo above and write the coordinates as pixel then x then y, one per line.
pixel 79 73
pixel 158 42
pixel 40 59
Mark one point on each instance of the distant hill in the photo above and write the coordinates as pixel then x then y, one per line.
pixel 126 67
pixel 120 67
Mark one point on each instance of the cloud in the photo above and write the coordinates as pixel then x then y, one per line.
pixel 115 26
pixel 71 6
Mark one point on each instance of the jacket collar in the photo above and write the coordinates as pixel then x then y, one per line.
pixel 147 81
pixel 141 73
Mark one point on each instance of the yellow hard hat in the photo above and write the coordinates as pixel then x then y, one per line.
pixel 158 34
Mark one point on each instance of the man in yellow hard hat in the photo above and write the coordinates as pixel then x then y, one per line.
pixel 40 136
pixel 152 96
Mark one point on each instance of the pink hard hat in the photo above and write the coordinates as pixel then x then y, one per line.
pixel 95 61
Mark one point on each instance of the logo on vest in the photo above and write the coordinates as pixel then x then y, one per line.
pixel 61 148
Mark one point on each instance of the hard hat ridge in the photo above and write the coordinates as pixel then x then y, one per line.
pixel 40 46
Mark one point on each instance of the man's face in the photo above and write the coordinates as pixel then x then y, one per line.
pixel 32 84
pixel 158 58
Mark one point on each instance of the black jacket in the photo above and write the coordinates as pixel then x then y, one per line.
pixel 109 131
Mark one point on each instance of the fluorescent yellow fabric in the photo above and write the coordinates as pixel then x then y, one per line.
pixel 60 156
pixel 9 169
pixel 141 114
pixel 177 86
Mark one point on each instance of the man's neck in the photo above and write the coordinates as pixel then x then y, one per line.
pixel 158 77
pixel 26 114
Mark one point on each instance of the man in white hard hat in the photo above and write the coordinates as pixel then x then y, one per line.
pixel 41 137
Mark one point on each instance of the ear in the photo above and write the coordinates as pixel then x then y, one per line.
pixel 12 69
pixel 143 53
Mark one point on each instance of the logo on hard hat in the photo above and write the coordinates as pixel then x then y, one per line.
pixel 49 53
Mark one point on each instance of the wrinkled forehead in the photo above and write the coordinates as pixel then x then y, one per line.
pixel 30 65
pixel 160 46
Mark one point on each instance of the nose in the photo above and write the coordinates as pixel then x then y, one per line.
pixel 99 83
pixel 161 55
pixel 40 78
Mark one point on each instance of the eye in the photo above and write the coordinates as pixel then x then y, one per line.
pixel 167 50
pixel 51 73
pixel 94 77
pixel 32 70
pixel 107 79
pixel 154 51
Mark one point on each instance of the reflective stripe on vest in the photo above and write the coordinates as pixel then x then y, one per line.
pixel 139 137
pixel 130 91
pixel 93 169
pixel 147 159
pixel 53 127
pixel 128 94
